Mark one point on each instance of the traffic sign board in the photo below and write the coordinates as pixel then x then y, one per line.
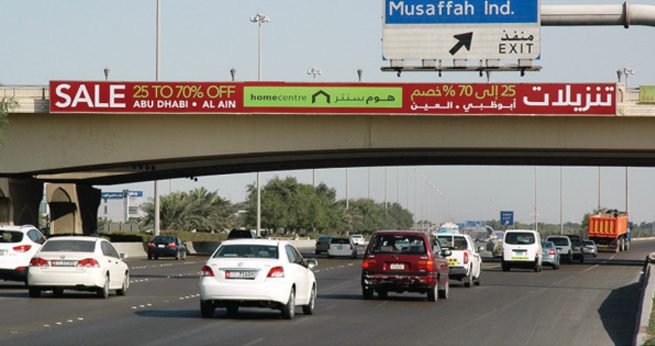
pixel 507 218
pixel 461 29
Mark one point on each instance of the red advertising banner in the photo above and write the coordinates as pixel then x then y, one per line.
pixel 332 98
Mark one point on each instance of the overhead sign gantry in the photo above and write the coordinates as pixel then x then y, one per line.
pixel 458 34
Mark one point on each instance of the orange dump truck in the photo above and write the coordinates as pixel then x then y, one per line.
pixel 610 231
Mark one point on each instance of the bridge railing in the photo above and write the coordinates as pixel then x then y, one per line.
pixel 41 92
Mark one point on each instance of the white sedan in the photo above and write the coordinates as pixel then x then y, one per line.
pixel 257 273
pixel 78 263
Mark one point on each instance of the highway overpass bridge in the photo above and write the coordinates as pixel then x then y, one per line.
pixel 78 150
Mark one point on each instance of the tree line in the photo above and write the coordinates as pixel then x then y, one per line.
pixel 287 206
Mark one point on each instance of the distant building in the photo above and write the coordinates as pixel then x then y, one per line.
pixel 121 206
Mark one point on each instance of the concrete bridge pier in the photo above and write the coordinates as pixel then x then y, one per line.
pixel 73 208
pixel 19 201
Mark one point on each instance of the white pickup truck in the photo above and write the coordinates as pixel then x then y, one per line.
pixel 465 262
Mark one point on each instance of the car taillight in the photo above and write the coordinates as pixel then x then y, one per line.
pixel 88 263
pixel 276 272
pixel 21 268
pixel 206 271
pixel 172 245
pixel 351 246
pixel 466 257
pixel 151 246
pixel 426 265
pixel 22 248
pixel 38 262
pixel 367 263
pixel 551 252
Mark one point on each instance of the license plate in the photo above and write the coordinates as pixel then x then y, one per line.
pixel 246 275
pixel 161 245
pixel 520 258
pixel 63 263
pixel 452 262
pixel 397 266
pixel 339 247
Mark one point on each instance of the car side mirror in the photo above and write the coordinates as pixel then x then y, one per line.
pixel 122 255
pixel 446 252
pixel 311 263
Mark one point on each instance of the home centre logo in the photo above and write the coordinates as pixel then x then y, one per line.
pixel 322 97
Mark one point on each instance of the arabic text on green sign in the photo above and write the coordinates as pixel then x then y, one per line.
pixel 647 94
pixel 323 97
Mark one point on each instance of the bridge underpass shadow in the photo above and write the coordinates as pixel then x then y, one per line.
pixel 618 313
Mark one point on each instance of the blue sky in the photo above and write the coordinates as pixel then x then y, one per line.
pixel 202 40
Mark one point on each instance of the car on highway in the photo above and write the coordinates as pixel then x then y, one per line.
pixel 589 248
pixel 257 273
pixel 322 244
pixel 563 245
pixel 550 255
pixel 405 261
pixel 576 247
pixel 465 261
pixel 166 246
pixel 342 247
pixel 521 249
pixel 78 263
pixel 18 244
pixel 241 234
pixel 357 239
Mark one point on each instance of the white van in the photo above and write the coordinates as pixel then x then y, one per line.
pixel 521 249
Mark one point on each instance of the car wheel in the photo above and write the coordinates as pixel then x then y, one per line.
pixel 103 292
pixel 354 256
pixel 206 308
pixel 316 252
pixel 569 257
pixel 232 309
pixel 289 310
pixel 383 294
pixel 505 267
pixel 433 293
pixel 467 280
pixel 58 292
pixel 126 284
pixel 367 293
pixel 34 292
pixel 329 256
pixel 582 259
pixel 156 257
pixel 149 257
pixel 477 281
pixel 309 308
pixel 443 294
pixel 178 256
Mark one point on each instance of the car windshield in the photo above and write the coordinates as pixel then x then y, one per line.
pixel 11 237
pixel 236 234
pixel 576 242
pixel 247 251
pixel 161 239
pixel 559 241
pixel 357 237
pixel 588 242
pixel 324 238
pixel 69 246
pixel 340 241
pixel 452 242
pixel 395 244
pixel 519 238
pixel 547 244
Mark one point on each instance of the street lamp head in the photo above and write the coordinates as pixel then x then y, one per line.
pixel 106 71
pixel 359 74
pixel 627 71
pixel 314 72
pixel 260 18
pixel 619 73
pixel 233 73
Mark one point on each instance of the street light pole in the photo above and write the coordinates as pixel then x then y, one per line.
pixel 536 219
pixel 561 199
pixel 156 187
pixel 259 19
pixel 347 190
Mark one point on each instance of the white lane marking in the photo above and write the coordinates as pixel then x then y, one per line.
pixel 134 308
pixel 80 318
pixel 142 306
pixel 148 304
pixel 351 264
pixel 58 323
pixel 256 341
pixel 46 325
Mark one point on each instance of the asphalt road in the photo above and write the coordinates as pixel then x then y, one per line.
pixel 581 304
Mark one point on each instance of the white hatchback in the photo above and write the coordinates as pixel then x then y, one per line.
pixel 78 263
pixel 257 273
pixel 342 247
pixel 357 239
pixel 18 244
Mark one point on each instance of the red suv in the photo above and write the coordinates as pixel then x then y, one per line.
pixel 405 261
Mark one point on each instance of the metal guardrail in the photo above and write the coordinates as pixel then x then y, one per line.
pixel 36 92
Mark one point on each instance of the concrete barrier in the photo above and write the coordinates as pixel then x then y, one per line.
pixel 646 300
pixel 133 250
pixel 303 244
pixel 202 248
